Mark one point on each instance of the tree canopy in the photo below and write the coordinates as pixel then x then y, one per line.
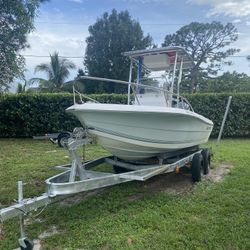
pixel 16 21
pixel 111 35
pixel 227 82
pixel 207 44
pixel 57 70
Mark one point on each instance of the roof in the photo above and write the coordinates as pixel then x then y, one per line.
pixel 162 58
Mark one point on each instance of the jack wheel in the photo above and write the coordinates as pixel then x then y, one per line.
pixel 62 137
pixel 206 160
pixel 29 245
pixel 197 168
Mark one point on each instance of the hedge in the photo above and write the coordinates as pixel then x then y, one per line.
pixel 213 107
pixel 25 115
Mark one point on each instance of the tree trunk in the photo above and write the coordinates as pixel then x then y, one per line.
pixel 193 78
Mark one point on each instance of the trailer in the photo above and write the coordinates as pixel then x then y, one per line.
pixel 78 177
pixel 54 137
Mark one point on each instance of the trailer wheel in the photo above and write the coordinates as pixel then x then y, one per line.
pixel 29 245
pixel 120 170
pixel 206 160
pixel 61 137
pixel 197 169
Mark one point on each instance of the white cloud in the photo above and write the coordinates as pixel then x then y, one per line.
pixel 236 21
pixel 232 8
pixel 76 1
pixel 46 43
pixel 49 37
pixel 51 40
pixel 150 1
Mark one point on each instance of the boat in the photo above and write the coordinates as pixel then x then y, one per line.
pixel 155 120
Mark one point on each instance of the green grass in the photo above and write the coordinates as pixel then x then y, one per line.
pixel 212 216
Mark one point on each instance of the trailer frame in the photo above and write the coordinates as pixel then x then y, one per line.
pixel 78 177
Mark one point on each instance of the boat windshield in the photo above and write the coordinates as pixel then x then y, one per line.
pixel 154 97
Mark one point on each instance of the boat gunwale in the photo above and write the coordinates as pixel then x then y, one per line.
pixel 100 107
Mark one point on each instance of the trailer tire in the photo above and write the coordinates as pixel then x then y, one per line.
pixel 120 170
pixel 29 245
pixel 206 160
pixel 197 169
pixel 61 137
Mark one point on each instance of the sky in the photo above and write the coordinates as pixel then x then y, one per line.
pixel 62 25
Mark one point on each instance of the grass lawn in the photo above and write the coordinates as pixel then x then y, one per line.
pixel 210 216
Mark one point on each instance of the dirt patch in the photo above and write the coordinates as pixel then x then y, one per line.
pixel 217 174
pixel 51 231
pixel 137 196
pixel 37 242
pixel 29 221
pixel 169 183
pixel 178 183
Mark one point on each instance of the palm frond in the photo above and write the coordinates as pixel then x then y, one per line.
pixel 44 67
pixel 58 71
pixel 40 81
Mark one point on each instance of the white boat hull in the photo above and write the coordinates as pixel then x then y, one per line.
pixel 140 132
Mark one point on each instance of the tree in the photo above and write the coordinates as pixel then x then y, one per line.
pixel 16 21
pixel 111 35
pixel 57 71
pixel 21 88
pixel 205 43
pixel 228 82
pixel 78 84
pixel 84 86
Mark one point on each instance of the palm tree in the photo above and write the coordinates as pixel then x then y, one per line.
pixel 57 71
pixel 21 88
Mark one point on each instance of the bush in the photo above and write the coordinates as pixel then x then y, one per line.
pixel 213 107
pixel 25 115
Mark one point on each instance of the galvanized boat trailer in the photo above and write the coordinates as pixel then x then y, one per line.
pixel 77 177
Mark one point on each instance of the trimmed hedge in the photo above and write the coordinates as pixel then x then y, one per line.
pixel 25 115
pixel 213 106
